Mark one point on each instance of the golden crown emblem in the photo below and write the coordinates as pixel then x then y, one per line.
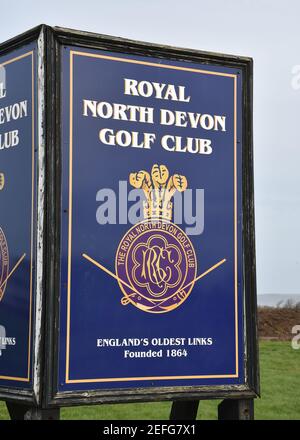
pixel 159 188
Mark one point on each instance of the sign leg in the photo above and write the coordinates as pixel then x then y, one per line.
pixel 24 412
pixel 184 410
pixel 236 409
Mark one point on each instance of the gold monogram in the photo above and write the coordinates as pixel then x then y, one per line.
pixel 157 265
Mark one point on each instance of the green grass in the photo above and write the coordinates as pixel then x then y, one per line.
pixel 280 391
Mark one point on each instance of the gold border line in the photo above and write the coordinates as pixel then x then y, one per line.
pixel 27 379
pixel 70 220
pixel 32 212
pixel 128 379
pixel 147 63
pixel 6 63
pixel 235 233
pixel 165 66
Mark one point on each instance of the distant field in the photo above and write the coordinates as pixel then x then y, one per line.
pixel 280 383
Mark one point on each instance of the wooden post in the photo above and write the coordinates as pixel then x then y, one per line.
pixel 236 409
pixel 184 410
pixel 24 412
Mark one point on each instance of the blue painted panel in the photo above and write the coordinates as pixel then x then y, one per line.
pixel 17 215
pixel 157 324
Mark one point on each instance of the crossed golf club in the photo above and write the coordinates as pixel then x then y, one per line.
pixel 11 272
pixel 125 300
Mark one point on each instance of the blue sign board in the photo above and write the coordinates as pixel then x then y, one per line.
pixel 127 258
pixel 151 285
pixel 17 215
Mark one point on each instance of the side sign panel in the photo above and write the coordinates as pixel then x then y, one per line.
pixel 17 216
pixel 151 242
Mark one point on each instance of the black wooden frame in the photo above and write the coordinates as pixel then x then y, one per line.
pixel 54 41
pixel 22 396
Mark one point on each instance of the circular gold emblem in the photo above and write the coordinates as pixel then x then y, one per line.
pixel 157 265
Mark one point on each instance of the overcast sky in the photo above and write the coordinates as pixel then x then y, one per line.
pixel 268 31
